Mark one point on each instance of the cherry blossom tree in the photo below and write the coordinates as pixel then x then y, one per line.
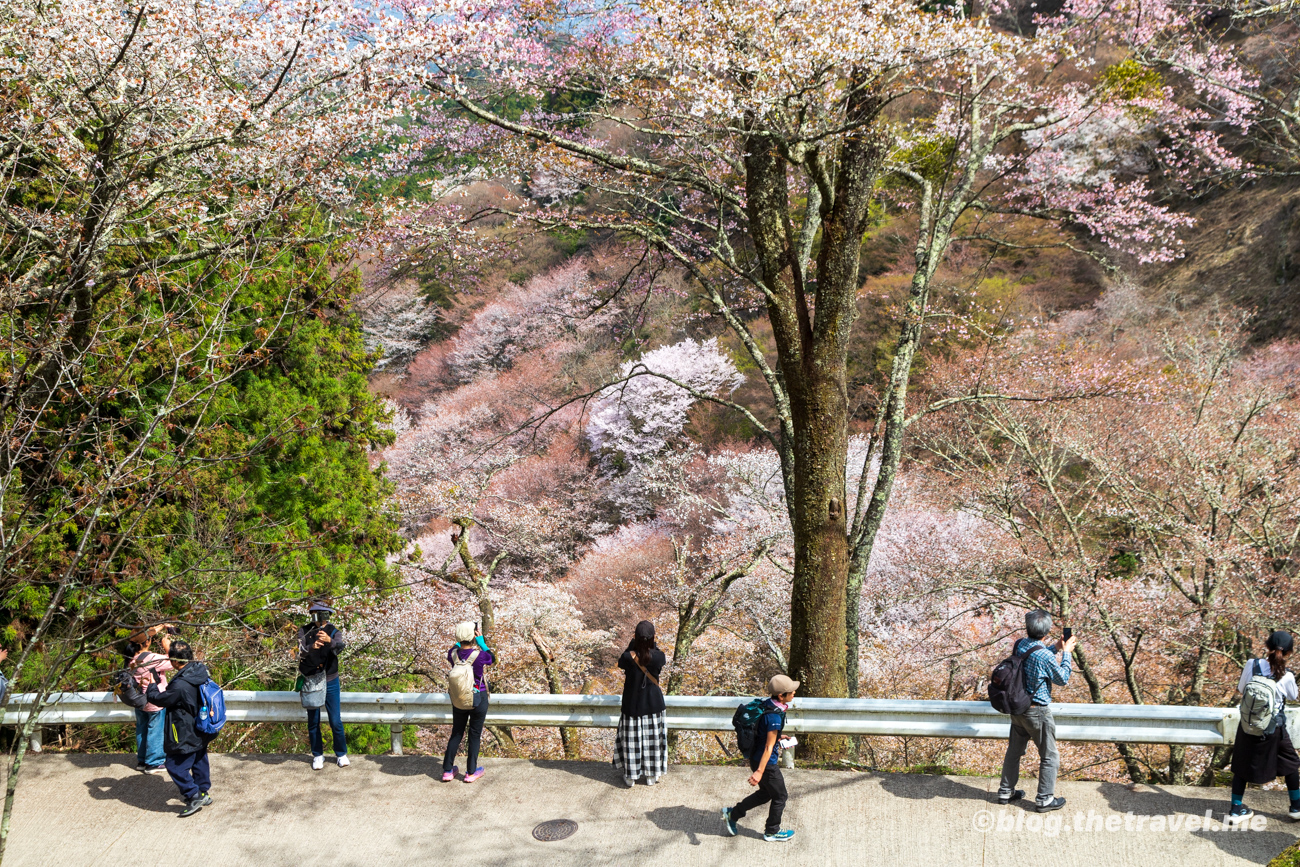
pixel 1160 518
pixel 541 639
pixel 178 179
pixel 765 135
pixel 637 419
pixel 722 543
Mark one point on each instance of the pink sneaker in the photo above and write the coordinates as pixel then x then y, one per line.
pixel 448 776
pixel 469 778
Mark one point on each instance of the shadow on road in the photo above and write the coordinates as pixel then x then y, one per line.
pixel 101 760
pixel 267 758
pixel 601 772
pixel 1257 846
pixel 142 791
pixel 695 822
pixel 1152 801
pixel 412 766
pixel 927 787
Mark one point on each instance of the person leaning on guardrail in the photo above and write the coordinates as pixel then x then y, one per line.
pixel 185 745
pixel 150 720
pixel 319 644
pixel 1263 750
pixel 1041 670
pixel 641 740
pixel 469 650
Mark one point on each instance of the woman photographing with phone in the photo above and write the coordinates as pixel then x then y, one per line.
pixel 468 658
pixel 319 645
pixel 641 741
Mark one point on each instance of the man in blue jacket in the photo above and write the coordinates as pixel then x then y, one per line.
pixel 1036 724
pixel 185 746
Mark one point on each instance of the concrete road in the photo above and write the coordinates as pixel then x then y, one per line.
pixel 388 811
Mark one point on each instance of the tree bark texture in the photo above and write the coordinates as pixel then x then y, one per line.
pixel 811 328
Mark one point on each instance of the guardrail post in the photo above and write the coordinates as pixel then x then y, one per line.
pixel 35 741
pixel 396 731
pixel 787 758
pixel 1228 726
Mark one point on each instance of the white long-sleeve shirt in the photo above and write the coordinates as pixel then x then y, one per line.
pixel 1287 684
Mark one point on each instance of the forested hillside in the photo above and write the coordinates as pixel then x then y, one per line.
pixel 1132 468
pixel 829 338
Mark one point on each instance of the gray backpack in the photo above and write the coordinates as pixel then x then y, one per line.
pixel 313 690
pixel 1262 706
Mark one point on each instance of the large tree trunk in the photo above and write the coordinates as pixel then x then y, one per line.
pixel 821 545
pixel 812 351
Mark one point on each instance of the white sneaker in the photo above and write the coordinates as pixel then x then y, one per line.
pixel 317 762
pixel 650 781
pixel 629 781
pixel 343 761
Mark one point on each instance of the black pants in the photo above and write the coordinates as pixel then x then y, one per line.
pixel 459 719
pixel 189 771
pixel 1239 783
pixel 771 787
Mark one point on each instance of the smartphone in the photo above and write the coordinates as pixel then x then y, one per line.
pixel 1066 633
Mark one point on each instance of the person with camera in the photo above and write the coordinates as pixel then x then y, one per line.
pixel 319 644
pixel 185 746
pixel 641 739
pixel 151 719
pixel 1041 668
pixel 470 651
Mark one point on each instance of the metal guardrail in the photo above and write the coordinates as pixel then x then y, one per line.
pixel 1105 723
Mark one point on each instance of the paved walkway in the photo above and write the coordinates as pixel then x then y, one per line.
pixel 388 811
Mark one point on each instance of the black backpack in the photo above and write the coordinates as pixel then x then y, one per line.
pixel 745 721
pixel 1007 691
pixel 127 689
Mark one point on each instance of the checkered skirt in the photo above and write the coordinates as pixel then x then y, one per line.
pixel 641 746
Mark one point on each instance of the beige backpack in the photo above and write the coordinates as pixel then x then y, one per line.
pixel 460 683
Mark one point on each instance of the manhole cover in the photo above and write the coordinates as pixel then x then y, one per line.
pixel 556 829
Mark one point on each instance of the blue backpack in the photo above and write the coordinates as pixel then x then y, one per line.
pixel 212 708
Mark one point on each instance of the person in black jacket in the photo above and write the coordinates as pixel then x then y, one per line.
pixel 319 644
pixel 641 741
pixel 185 746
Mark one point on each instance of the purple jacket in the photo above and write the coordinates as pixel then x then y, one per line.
pixel 484 659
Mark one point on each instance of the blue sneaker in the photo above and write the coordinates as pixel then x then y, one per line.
pixel 728 822
pixel 780 836
pixel 1238 814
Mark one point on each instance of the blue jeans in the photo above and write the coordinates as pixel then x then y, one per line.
pixel 336 722
pixel 189 771
pixel 149 727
